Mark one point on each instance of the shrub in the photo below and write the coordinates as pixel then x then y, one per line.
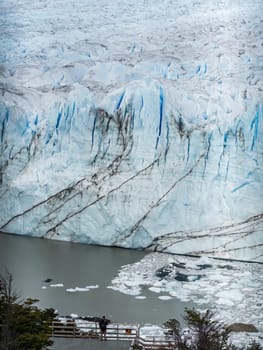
pixel 23 326
pixel 254 346
pixel 205 333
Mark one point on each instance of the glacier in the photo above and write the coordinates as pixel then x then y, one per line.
pixel 136 124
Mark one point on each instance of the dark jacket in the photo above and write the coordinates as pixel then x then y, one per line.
pixel 103 324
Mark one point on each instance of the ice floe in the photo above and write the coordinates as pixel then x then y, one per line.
pixel 81 289
pixel 58 285
pixel 72 290
pixel 164 297
pixel 226 288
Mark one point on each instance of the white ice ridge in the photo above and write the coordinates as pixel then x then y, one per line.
pixel 134 124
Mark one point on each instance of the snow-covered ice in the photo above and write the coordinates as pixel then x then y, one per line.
pixel 133 123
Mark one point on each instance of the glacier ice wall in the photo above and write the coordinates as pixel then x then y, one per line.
pixel 134 124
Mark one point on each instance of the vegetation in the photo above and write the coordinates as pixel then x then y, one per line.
pixel 205 333
pixel 254 346
pixel 23 326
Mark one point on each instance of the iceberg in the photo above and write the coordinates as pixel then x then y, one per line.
pixel 134 125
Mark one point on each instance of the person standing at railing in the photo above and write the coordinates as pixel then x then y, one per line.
pixel 103 323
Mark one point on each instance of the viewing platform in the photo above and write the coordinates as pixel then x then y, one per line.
pixel 82 334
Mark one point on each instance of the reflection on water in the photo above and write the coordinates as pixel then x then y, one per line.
pixel 34 260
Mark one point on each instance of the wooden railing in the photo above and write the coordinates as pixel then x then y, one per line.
pixel 79 329
pixel 152 343
pixel 115 331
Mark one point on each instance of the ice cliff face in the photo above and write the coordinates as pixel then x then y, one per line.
pixel 135 124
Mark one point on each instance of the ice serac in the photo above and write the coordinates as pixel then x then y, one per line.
pixel 149 138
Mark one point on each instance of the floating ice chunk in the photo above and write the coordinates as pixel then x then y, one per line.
pixel 130 283
pixel 155 289
pixel 44 287
pixel 114 287
pixel 232 294
pixel 192 278
pixel 243 274
pixel 123 288
pixel 191 286
pixel 132 292
pixel 92 287
pixel 248 290
pixel 77 289
pixel 58 285
pixel 174 294
pixel 203 301
pixel 164 297
pixel 219 277
pixel 182 295
pixel 225 302
pixel 140 297
pixel 184 298
pixel 173 286
pixel 158 284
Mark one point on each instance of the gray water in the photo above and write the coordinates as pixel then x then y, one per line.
pixel 33 260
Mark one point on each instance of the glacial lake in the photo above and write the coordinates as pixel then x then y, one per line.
pixel 33 260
